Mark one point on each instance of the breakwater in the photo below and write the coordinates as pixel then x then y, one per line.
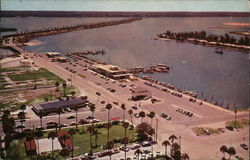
pixel 27 36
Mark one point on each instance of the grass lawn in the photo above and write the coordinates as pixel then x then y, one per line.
pixel 81 140
pixel 41 73
pixel 19 68
pixel 239 123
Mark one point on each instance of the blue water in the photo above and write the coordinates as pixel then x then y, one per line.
pixel 127 5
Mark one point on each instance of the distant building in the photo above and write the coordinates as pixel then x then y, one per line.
pixel 30 147
pixel 53 106
pixel 52 54
pixel 139 93
pixel 111 71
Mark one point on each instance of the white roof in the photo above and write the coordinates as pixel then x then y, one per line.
pixel 45 145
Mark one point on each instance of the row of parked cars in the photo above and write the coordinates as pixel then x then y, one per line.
pixel 71 70
pixel 165 116
pixel 187 113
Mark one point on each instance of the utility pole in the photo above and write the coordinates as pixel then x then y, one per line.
pixel 156 135
pixel 180 143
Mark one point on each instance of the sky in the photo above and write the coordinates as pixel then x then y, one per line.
pixel 126 5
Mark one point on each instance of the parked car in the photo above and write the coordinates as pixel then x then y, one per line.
pixel 68 109
pixel 125 149
pixel 71 117
pixel 40 128
pixel 135 146
pixel 244 146
pixel 115 102
pixel 102 102
pixel 90 117
pixel 73 124
pixel 136 115
pixel 134 107
pixel 146 143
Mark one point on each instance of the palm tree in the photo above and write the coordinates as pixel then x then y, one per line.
pixel 21 116
pixel 72 132
pixel 73 93
pixel 185 156
pixel 223 149
pixel 172 138
pixel 29 137
pixel 152 115
pixel 92 109
pixel 38 134
pixel 59 111
pixel 23 107
pixel 151 132
pixel 130 112
pixel 41 117
pixel 82 121
pixel 64 89
pixel 231 151
pixel 52 135
pixel 166 143
pixel 76 110
pixel 125 141
pixel 123 109
pixel 64 152
pixel 142 115
pixel 57 84
pixel 175 149
pixel 109 146
pixel 96 133
pixel 108 107
pixel 138 152
pixel 90 129
pixel 108 126
pixel 125 125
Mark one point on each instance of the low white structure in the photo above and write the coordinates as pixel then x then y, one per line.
pixel 139 93
pixel 45 145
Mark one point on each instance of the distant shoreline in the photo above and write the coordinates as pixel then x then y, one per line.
pixel 119 14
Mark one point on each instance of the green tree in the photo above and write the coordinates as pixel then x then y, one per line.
pixel 152 115
pixel 21 117
pixel 108 107
pixel 109 146
pixel 57 84
pixel 125 141
pixel 130 112
pixel 90 129
pixel 138 152
pixel 123 110
pixel 23 107
pixel 231 151
pixel 73 93
pixel 64 85
pixel 142 115
pixel 223 150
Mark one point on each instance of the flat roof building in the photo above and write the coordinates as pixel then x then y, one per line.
pixel 53 106
pixel 111 71
pixel 52 54
pixel 139 93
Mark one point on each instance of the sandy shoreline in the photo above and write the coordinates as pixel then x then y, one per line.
pixel 33 43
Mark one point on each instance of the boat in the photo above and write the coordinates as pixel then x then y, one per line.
pixel 219 50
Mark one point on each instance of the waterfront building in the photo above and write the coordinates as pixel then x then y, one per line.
pixel 52 54
pixel 111 71
pixel 139 93
pixel 53 106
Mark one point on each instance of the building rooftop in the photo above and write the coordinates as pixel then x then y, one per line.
pixel 139 90
pixel 109 67
pixel 59 104
pixel 30 145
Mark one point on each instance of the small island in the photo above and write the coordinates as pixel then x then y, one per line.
pixel 207 39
